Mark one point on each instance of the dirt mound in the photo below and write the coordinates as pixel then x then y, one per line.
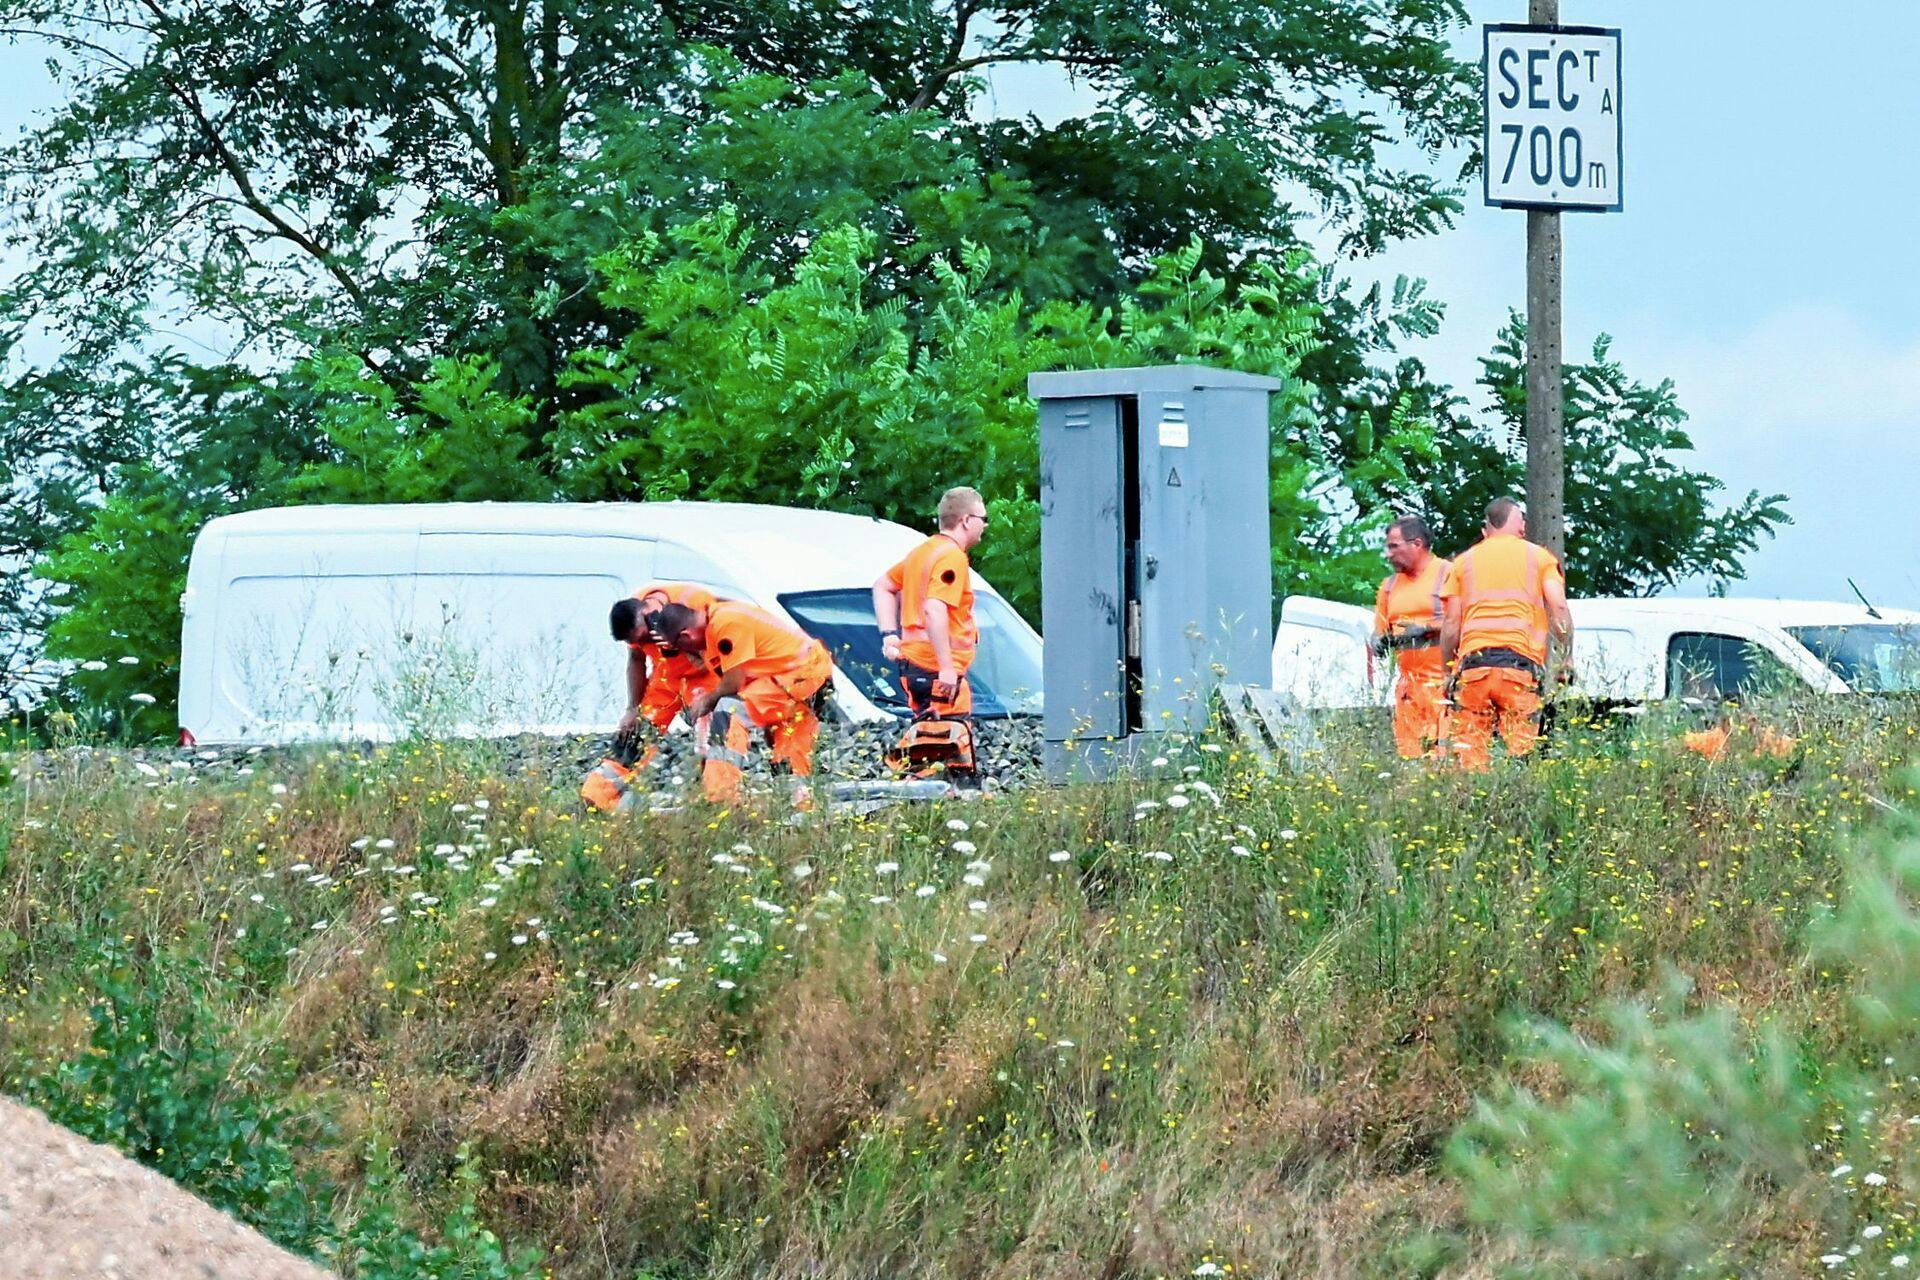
pixel 74 1210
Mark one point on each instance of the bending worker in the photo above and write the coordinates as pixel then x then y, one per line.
pixel 1406 623
pixel 661 680
pixel 924 606
pixel 1505 608
pixel 773 670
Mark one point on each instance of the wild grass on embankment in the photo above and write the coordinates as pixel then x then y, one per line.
pixel 1214 1023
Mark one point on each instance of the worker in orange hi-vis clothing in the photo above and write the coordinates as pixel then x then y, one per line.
pixel 924 607
pixel 1505 606
pixel 662 680
pixel 1406 623
pixel 772 672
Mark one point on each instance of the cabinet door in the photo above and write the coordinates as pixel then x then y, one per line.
pixel 1083 590
pixel 1178 640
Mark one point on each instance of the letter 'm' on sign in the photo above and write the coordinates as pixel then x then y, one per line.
pixel 1552 100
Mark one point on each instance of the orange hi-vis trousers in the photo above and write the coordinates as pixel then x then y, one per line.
pixel 780 704
pixel 1489 701
pixel 1419 709
pixel 675 683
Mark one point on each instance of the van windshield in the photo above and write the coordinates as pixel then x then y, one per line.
pixel 1879 657
pixel 1006 670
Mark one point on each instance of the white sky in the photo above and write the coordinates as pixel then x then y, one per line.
pixel 1764 260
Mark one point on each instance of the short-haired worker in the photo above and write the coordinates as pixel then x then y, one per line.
pixel 1505 614
pixel 924 606
pixel 1406 623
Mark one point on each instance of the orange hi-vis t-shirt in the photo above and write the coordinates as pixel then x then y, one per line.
pixel 1410 603
pixel 742 637
pixel 1501 585
pixel 937 569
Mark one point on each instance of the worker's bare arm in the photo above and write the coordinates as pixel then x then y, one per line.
pixel 636 691
pixel 1559 616
pixel 940 637
pixel 1450 631
pixel 1560 623
pixel 886 613
pixel 727 687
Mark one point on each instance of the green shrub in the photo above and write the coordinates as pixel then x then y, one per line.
pixel 159 1083
pixel 381 1246
pixel 1654 1150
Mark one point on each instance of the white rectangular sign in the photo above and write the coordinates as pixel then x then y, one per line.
pixel 1552 100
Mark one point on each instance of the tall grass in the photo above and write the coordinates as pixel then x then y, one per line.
pixel 1210 1023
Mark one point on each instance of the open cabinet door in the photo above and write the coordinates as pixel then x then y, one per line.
pixel 1323 657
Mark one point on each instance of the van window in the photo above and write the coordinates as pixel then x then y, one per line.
pixel 1006 670
pixel 1881 657
pixel 1713 667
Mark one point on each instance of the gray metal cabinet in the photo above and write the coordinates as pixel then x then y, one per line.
pixel 1154 552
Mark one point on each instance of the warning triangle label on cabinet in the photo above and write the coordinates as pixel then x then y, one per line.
pixel 1173 477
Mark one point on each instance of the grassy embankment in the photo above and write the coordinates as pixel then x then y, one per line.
pixel 1216 1023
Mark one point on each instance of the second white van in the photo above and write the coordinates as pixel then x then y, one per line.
pixel 1636 651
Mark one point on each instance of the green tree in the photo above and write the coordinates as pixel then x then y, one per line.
pixel 822 391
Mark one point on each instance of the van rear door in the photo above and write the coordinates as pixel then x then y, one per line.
pixel 1323 655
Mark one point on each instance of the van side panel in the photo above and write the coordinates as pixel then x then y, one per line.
pixel 510 632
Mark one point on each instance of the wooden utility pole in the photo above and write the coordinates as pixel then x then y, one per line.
pixel 1546 426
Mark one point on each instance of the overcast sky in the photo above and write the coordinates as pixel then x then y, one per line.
pixel 1766 259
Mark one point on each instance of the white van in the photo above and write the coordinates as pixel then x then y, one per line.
pixel 328 623
pixel 1633 651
